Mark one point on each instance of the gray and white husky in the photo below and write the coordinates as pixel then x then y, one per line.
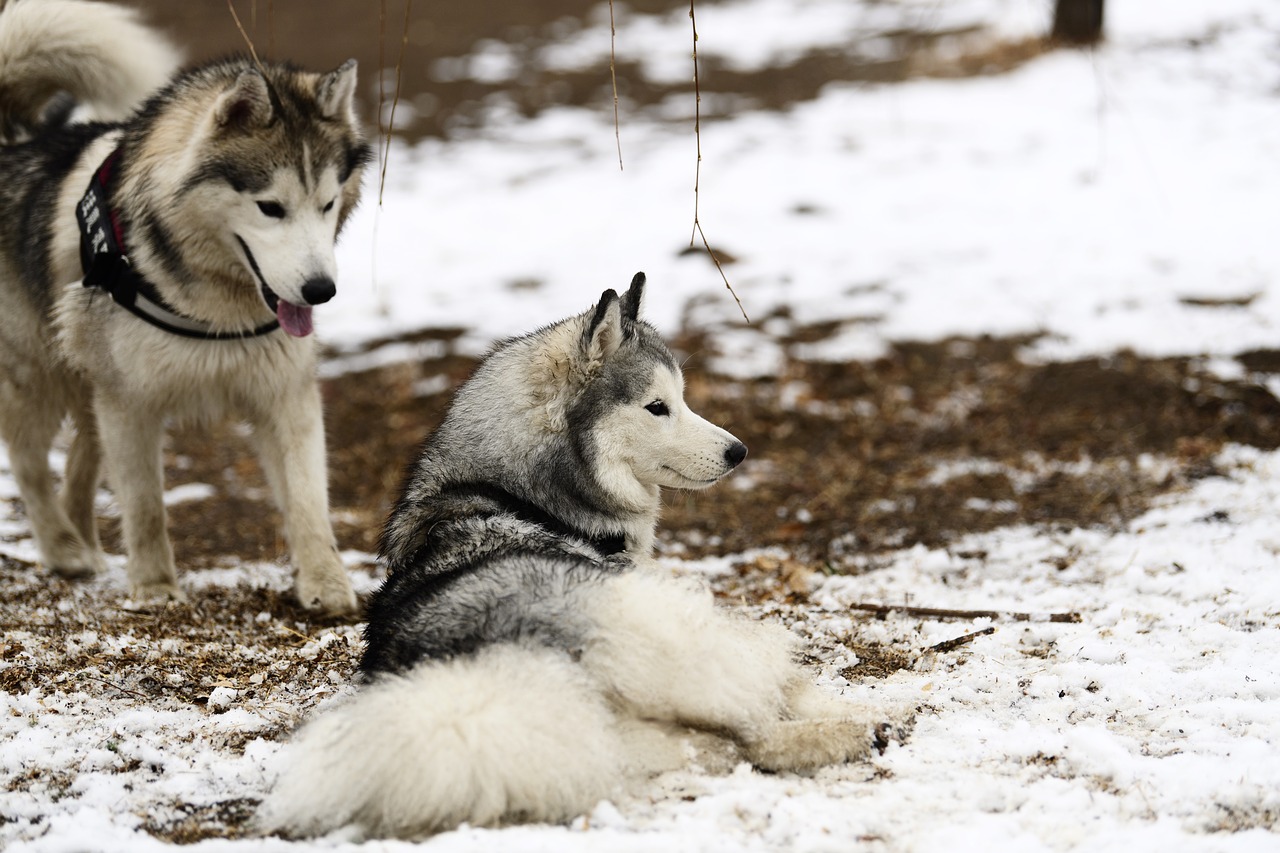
pixel 161 263
pixel 526 657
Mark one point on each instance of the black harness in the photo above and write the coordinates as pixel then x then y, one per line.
pixel 607 544
pixel 106 267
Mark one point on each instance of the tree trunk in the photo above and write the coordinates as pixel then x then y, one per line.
pixel 1077 22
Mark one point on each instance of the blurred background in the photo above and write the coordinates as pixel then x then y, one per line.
pixel 463 61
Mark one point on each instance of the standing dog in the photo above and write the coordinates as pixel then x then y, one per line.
pixel 525 658
pixel 202 226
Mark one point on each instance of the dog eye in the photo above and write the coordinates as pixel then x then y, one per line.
pixel 658 409
pixel 274 209
pixel 328 207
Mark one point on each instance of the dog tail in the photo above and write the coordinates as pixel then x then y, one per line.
pixel 511 733
pixel 99 56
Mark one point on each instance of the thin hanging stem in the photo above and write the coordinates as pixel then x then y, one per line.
pixel 395 99
pixel 697 174
pixel 613 78
pixel 248 41
pixel 382 83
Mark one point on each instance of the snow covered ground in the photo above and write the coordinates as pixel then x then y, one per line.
pixel 1101 198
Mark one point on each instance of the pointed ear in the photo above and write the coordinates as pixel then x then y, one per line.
pixel 336 92
pixel 631 299
pixel 247 104
pixel 603 335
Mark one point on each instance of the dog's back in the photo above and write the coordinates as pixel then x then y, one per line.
pixel 490 574
pixel 99 55
pixel 58 59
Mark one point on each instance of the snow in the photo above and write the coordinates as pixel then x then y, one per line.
pixel 1091 196
pixel 1084 196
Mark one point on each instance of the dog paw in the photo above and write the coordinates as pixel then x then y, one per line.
pixel 792 745
pixel 72 559
pixel 333 596
pixel 75 569
pixel 159 592
pixel 896 730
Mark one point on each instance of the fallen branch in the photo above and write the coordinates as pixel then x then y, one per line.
pixel 952 645
pixel 115 686
pixel 883 610
pixel 305 638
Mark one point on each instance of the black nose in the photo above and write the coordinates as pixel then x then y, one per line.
pixel 318 290
pixel 735 454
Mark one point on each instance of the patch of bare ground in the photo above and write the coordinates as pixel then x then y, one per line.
pixel 924 445
pixel 78 646
pixel 65 637
pixel 1235 817
pixel 933 441
pixel 188 823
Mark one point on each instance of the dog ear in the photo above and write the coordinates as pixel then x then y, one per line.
pixel 247 104
pixel 603 335
pixel 336 92
pixel 631 299
pixel 564 367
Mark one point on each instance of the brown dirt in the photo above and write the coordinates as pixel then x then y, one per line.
pixel 850 469
pixel 213 629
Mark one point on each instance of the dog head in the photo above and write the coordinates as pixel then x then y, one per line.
pixel 585 419
pixel 627 406
pixel 265 175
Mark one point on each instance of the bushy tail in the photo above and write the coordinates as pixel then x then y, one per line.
pixel 101 55
pixel 509 734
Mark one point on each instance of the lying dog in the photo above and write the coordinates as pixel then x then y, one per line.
pixel 525 657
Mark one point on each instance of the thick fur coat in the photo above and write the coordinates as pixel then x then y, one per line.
pixel 526 657
pixel 227 185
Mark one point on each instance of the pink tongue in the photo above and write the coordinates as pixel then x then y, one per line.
pixel 294 319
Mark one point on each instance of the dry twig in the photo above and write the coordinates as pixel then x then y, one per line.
pixel 613 78
pixel 883 610
pixel 248 41
pixel 697 175
pixel 383 141
pixel 115 686
pixel 271 23
pixel 305 638
pixel 395 100
pixel 953 644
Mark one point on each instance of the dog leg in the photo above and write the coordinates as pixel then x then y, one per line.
pixel 290 440
pixel 29 423
pixel 822 729
pixel 790 745
pixel 668 653
pixel 80 485
pixel 131 448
